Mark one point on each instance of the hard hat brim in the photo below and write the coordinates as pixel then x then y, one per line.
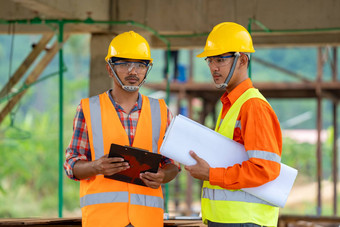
pixel 210 53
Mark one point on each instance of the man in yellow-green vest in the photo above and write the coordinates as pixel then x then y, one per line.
pixel 247 118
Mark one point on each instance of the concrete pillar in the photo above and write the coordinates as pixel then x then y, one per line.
pixel 99 78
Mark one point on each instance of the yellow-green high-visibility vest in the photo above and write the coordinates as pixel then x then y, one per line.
pixel 235 206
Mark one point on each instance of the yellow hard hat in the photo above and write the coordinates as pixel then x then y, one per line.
pixel 129 45
pixel 227 37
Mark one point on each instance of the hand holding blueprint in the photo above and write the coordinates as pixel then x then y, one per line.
pixel 184 135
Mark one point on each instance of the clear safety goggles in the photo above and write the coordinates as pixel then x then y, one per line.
pixel 140 67
pixel 218 61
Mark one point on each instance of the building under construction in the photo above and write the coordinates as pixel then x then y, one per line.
pixel 171 28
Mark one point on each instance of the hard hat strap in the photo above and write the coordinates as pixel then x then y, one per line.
pixel 231 72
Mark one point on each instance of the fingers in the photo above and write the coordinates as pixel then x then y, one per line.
pixel 151 184
pixel 116 159
pixel 152 180
pixel 151 176
pixel 106 159
pixel 114 168
pixel 110 166
pixel 200 170
pixel 115 165
pixel 194 155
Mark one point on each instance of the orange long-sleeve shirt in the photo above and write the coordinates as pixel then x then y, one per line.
pixel 260 130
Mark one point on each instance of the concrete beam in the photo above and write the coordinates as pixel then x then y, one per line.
pixel 268 89
pixel 260 40
pixel 57 9
pixel 188 17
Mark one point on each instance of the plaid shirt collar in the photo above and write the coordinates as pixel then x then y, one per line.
pixel 138 105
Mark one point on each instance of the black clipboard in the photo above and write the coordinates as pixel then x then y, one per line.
pixel 140 161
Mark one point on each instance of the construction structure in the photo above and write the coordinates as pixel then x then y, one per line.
pixel 271 23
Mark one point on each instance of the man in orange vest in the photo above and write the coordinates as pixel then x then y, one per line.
pixel 247 118
pixel 125 117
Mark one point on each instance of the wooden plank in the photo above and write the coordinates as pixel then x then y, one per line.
pixel 31 78
pixel 184 223
pixel 77 222
pixel 268 89
pixel 284 220
pixel 40 222
pixel 20 72
pixel 294 220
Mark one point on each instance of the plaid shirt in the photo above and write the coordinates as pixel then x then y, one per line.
pixel 79 147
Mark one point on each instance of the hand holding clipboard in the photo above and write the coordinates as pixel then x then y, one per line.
pixel 140 161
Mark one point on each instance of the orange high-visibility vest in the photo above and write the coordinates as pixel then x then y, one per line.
pixel 107 202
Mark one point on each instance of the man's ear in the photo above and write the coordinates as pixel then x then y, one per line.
pixel 109 70
pixel 243 60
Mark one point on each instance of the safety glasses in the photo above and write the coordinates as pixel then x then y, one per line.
pixel 218 61
pixel 140 67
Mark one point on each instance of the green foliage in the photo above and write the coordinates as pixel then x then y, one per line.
pixel 29 170
pixel 29 174
pixel 300 156
pixel 30 166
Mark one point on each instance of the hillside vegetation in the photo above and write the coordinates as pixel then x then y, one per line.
pixel 29 135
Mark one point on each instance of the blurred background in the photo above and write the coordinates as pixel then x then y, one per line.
pixel 294 66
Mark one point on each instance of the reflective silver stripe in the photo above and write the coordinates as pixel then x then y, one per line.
pixel 226 195
pixel 156 123
pixel 146 200
pixel 264 155
pixel 96 123
pixel 97 131
pixel 104 197
pixel 238 124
